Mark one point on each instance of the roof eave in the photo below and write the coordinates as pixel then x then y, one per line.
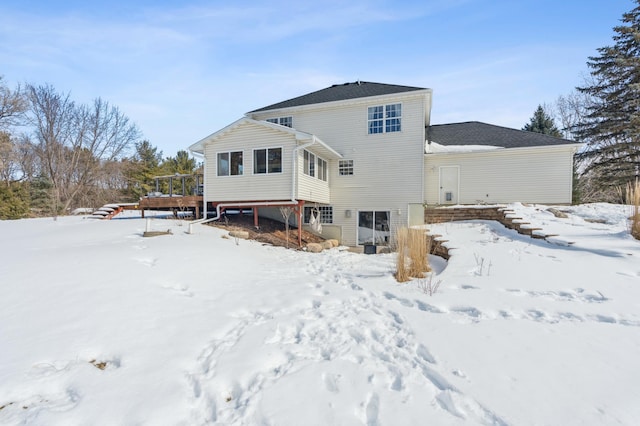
pixel 330 104
pixel 199 146
pixel 568 146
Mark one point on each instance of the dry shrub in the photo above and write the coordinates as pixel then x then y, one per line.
pixel 418 253
pixel 633 199
pixel 413 247
pixel 402 272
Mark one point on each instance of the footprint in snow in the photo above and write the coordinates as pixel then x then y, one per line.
pixel 372 408
pixel 181 289
pixel 331 382
pixel 459 374
pixel 396 317
pixel 424 354
pixel 467 310
pixel 148 261
pixel 403 301
pixel 425 307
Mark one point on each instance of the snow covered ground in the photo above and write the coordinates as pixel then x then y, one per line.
pixel 99 325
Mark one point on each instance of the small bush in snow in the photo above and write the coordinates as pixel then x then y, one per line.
pixel 427 286
pixel 480 265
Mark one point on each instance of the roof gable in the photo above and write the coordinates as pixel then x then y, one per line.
pixel 341 92
pixel 298 135
pixel 483 134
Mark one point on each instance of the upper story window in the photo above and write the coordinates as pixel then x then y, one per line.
pixel 268 160
pixel 315 166
pixel 345 167
pixel 283 121
pixel 322 169
pixel 230 163
pixel 309 168
pixel 384 118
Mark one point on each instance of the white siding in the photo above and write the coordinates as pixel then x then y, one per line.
pixel 259 187
pixel 530 175
pixel 249 187
pixel 311 188
pixel 388 167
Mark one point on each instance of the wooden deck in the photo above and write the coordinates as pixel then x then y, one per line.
pixel 174 203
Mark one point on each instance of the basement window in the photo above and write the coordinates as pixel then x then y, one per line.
pixel 324 212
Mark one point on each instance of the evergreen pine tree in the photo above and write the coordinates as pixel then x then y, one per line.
pixel 541 122
pixel 41 196
pixel 14 202
pixel 611 128
pixel 142 168
pixel 181 163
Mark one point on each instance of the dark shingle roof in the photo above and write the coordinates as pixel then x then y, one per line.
pixel 477 133
pixel 340 92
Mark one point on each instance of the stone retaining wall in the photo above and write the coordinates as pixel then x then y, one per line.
pixel 500 214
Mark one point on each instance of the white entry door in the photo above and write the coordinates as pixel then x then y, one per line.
pixel 449 184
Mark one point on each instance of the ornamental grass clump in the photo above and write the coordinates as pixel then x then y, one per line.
pixel 413 247
pixel 402 272
pixel 633 199
pixel 418 253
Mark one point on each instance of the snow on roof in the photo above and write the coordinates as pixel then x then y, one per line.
pixel 436 148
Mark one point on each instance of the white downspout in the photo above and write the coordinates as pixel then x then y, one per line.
pixel 204 185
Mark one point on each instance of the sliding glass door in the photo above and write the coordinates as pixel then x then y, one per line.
pixel 373 227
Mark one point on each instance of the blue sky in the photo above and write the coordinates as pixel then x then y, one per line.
pixel 184 69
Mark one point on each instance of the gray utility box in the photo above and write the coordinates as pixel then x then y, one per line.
pixel 370 249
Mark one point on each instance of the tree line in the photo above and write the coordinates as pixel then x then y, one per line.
pixel 57 154
pixel 604 115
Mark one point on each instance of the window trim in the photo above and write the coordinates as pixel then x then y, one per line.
pixel 326 214
pixel 229 153
pixel 309 163
pixel 323 172
pixel 382 120
pixel 267 172
pixel 286 121
pixel 344 169
pixel 380 236
pixel 314 166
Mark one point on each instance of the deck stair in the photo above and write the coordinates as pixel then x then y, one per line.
pixel 108 211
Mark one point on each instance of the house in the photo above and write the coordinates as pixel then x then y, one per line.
pixel 364 158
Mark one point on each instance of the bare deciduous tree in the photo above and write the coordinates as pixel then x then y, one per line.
pixel 11 159
pixel 12 108
pixel 286 214
pixel 52 116
pixel 570 110
pixel 74 143
pixel 12 105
